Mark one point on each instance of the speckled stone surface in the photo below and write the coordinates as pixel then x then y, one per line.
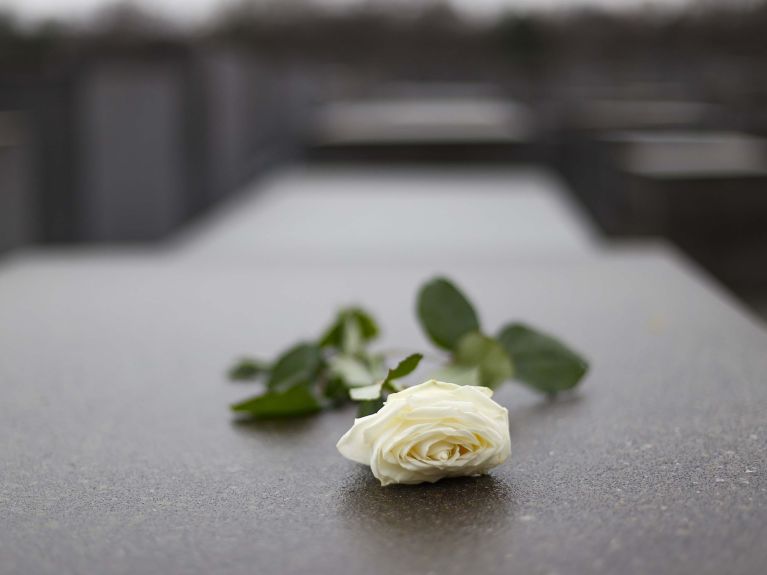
pixel 118 454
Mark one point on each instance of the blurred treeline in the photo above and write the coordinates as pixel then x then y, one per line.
pixel 714 50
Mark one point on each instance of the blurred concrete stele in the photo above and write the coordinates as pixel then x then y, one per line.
pixel 133 168
pixel 164 138
pixel 17 217
pixel 703 190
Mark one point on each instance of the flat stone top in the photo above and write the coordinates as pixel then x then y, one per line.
pixel 691 154
pixel 348 215
pixel 424 119
pixel 119 455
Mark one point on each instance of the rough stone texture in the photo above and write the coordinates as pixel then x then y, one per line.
pixel 118 455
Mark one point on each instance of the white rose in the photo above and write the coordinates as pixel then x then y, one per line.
pixel 430 431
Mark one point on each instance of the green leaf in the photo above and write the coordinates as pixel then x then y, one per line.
pixel 487 355
pixel 333 336
pixel 373 391
pixel 369 407
pixel 404 367
pixel 299 363
pixel 293 401
pixel 352 370
pixel 247 369
pixel 352 328
pixel 445 313
pixel 336 391
pixel 367 324
pixel 541 361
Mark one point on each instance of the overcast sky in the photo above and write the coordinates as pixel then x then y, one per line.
pixel 194 10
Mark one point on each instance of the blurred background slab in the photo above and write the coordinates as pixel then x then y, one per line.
pixel 389 216
pixel 123 123
pixel 417 123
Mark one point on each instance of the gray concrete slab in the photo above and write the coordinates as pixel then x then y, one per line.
pixel 353 215
pixel 118 455
pixel 703 190
pixel 689 155
pixel 605 114
pixel 423 120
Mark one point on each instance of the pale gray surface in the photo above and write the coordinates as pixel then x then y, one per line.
pixel 353 215
pixel 119 456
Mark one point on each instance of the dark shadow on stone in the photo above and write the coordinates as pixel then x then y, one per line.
pixel 427 528
pixel 428 513
pixel 285 427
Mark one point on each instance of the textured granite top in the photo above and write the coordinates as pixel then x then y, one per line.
pixel 118 454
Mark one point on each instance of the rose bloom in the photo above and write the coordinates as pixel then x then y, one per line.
pixel 430 431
